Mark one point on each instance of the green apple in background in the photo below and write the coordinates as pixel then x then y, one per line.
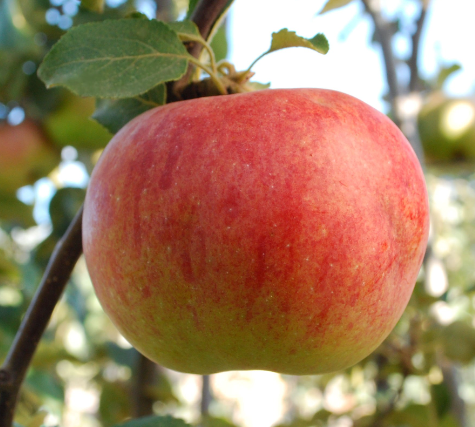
pixel 25 155
pixel 280 230
pixel 71 125
pixel 447 128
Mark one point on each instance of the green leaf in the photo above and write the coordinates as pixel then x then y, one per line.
pixel 333 4
pixel 191 7
pixel 445 73
pixel 154 421
pixel 9 271
pixel 115 58
pixel 219 44
pixel 93 5
pixel 45 384
pixel 121 356
pixel 185 28
pixel 63 207
pixel 458 342
pixel 285 38
pixel 440 395
pixel 16 212
pixel 114 114
pixel 71 124
pixel 216 422
pixel 115 404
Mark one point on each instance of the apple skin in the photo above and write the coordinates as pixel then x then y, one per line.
pixel 25 155
pixel 280 230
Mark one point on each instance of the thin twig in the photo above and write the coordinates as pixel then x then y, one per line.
pixel 144 381
pixel 384 34
pixel 206 397
pixel 36 319
pixel 204 16
pixel 416 38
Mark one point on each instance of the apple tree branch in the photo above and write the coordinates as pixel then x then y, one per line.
pixel 56 275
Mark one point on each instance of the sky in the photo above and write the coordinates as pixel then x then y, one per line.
pixel 352 64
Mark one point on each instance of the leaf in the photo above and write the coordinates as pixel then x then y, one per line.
pixel 154 421
pixel 445 73
pixel 9 271
pixel 121 356
pixel 93 5
pixel 191 7
pixel 115 58
pixel 216 422
pixel 115 404
pixel 440 395
pixel 185 28
pixel 219 44
pixel 458 342
pixel 333 4
pixel 45 384
pixel 72 125
pixel 63 208
pixel 285 38
pixel 15 212
pixel 114 114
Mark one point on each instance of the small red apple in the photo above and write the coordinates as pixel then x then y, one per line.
pixel 25 155
pixel 280 230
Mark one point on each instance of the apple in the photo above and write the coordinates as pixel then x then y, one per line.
pixel 279 230
pixel 71 124
pixel 25 155
pixel 447 128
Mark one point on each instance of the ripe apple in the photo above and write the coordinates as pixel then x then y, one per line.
pixel 447 128
pixel 280 230
pixel 25 155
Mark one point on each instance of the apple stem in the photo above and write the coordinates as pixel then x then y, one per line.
pixel 208 48
pixel 205 14
pixel 216 80
pixel 36 319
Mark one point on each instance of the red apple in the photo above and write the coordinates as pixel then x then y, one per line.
pixel 280 230
pixel 25 155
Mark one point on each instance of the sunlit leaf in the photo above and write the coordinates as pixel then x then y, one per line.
pixel 93 5
pixel 334 4
pixel 285 38
pixel 115 59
